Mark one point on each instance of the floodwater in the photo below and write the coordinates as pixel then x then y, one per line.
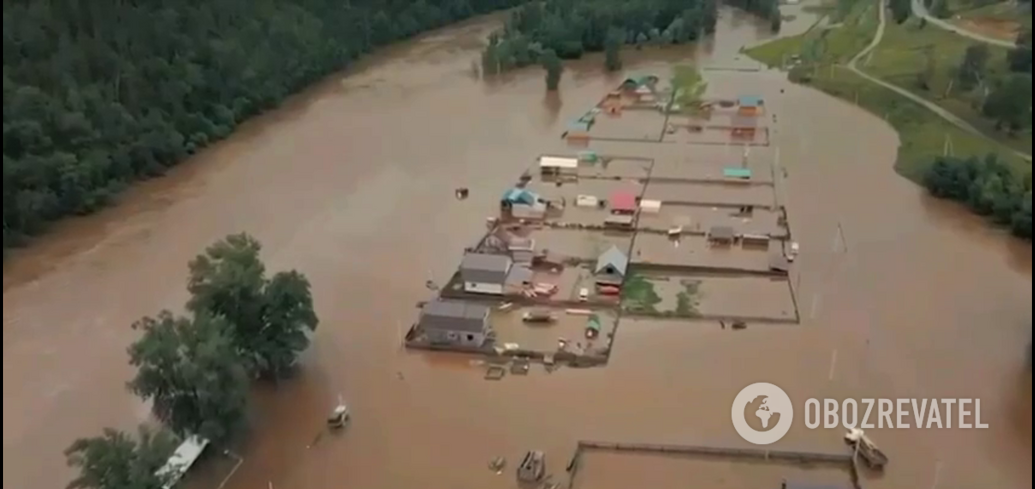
pixel 352 184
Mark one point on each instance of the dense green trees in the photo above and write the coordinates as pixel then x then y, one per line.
pixel 988 187
pixel 900 10
pixel 553 66
pixel 118 460
pixel 573 27
pixel 99 94
pixel 196 371
pixel 1020 57
pixel 972 67
pixel 190 371
pixel 1009 104
pixel 270 319
pixel 613 49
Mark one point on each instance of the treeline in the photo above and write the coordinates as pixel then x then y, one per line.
pixel 196 370
pixel 766 9
pixel 570 28
pixel 100 94
pixel 987 187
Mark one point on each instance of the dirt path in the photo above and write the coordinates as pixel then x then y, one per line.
pixel 933 107
pixel 920 10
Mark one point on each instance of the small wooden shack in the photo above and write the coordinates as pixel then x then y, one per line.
pixel 721 235
pixel 750 105
pixel 557 165
pixel 622 222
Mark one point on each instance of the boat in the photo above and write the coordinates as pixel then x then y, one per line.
pixel 533 467
pixel 538 316
pixel 867 449
pixel 339 416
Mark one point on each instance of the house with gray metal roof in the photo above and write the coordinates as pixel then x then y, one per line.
pixel 484 273
pixel 455 322
pixel 611 266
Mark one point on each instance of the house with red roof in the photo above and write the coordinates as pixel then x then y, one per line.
pixel 623 202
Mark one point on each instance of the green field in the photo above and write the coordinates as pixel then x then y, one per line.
pixel 818 58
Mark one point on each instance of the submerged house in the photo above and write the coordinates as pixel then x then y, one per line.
pixel 750 105
pixel 743 126
pixel 623 202
pixel 446 322
pixel 611 267
pixel 484 273
pixel 523 204
pixel 736 174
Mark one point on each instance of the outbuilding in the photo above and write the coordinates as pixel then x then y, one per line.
pixel 611 266
pixel 623 202
pixel 556 165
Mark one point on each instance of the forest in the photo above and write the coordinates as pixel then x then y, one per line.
pixel 98 95
pixel 988 187
pixel 570 28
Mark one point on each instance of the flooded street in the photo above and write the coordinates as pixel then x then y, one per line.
pixel 352 184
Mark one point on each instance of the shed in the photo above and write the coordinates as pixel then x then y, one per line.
pixel 485 273
pixel 181 460
pixel 650 206
pixel 455 322
pixel 612 262
pixel 557 164
pixel 722 234
pixel 619 221
pixel 623 201
pixel 733 172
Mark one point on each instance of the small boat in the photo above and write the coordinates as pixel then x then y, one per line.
pixel 538 316
pixel 339 416
pixel 533 467
pixel 461 193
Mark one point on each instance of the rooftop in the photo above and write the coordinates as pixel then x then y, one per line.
pixel 721 232
pixel 623 200
pixel 750 101
pixel 558 162
pixel 486 262
pixel 733 172
pixel 615 258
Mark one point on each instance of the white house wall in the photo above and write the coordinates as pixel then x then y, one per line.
pixel 480 288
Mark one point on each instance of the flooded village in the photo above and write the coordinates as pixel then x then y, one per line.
pixel 588 306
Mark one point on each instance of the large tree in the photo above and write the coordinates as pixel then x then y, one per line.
pixel 190 371
pixel 271 319
pixel 117 460
pixel 553 66
pixel 1009 104
pixel 613 49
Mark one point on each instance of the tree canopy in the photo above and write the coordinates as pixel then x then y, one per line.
pixel 270 319
pixel 190 371
pixel 1009 104
pixel 573 27
pixel 987 187
pixel 117 460
pixel 100 94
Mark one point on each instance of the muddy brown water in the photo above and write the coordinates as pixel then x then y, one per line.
pixel 352 183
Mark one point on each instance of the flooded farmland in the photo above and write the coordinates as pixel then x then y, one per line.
pixel 352 184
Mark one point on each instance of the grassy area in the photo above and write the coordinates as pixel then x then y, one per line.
pixel 686 300
pixel 638 294
pixel 823 54
pixel 910 49
pixel 991 10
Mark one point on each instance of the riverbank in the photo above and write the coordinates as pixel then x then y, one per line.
pixel 820 58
